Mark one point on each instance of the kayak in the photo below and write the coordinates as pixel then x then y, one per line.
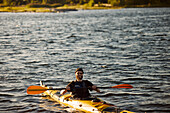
pixel 88 105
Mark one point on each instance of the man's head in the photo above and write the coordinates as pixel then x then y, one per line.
pixel 79 74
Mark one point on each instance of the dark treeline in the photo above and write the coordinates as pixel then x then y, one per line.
pixel 91 2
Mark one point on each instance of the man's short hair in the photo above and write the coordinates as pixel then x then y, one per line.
pixel 79 69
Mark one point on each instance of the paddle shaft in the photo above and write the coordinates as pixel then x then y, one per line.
pixel 39 89
pixel 45 89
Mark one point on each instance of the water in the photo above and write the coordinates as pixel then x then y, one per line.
pixel 112 46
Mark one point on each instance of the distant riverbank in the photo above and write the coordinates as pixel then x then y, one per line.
pixel 34 10
pixel 49 8
pixel 66 8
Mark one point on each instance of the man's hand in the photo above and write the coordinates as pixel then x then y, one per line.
pixel 62 92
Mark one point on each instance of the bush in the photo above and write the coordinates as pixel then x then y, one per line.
pixel 56 5
pixel 2 5
pixel 43 5
pixel 36 5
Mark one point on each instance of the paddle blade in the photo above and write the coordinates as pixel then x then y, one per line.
pixel 122 86
pixel 33 90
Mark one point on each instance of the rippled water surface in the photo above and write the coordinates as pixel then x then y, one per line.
pixel 112 46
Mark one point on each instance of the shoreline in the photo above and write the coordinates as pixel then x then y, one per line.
pixel 19 9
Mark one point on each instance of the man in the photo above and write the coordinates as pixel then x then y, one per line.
pixel 79 88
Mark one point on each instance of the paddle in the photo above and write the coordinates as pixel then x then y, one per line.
pixel 33 90
pixel 118 86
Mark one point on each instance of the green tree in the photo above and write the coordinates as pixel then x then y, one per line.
pixel 114 2
pixel 91 3
pixel 5 2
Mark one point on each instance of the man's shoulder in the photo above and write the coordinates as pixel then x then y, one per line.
pixel 87 81
pixel 72 82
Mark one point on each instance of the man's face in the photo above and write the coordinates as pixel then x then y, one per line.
pixel 79 75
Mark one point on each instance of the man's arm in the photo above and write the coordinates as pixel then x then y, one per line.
pixel 95 88
pixel 65 90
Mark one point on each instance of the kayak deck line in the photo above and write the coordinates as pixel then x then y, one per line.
pixel 88 105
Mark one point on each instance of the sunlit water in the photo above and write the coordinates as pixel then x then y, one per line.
pixel 112 46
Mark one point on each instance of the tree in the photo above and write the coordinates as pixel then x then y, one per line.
pixel 91 3
pixel 114 2
pixel 44 1
pixel 7 2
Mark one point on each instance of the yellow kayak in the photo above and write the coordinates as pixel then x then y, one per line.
pixel 89 105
